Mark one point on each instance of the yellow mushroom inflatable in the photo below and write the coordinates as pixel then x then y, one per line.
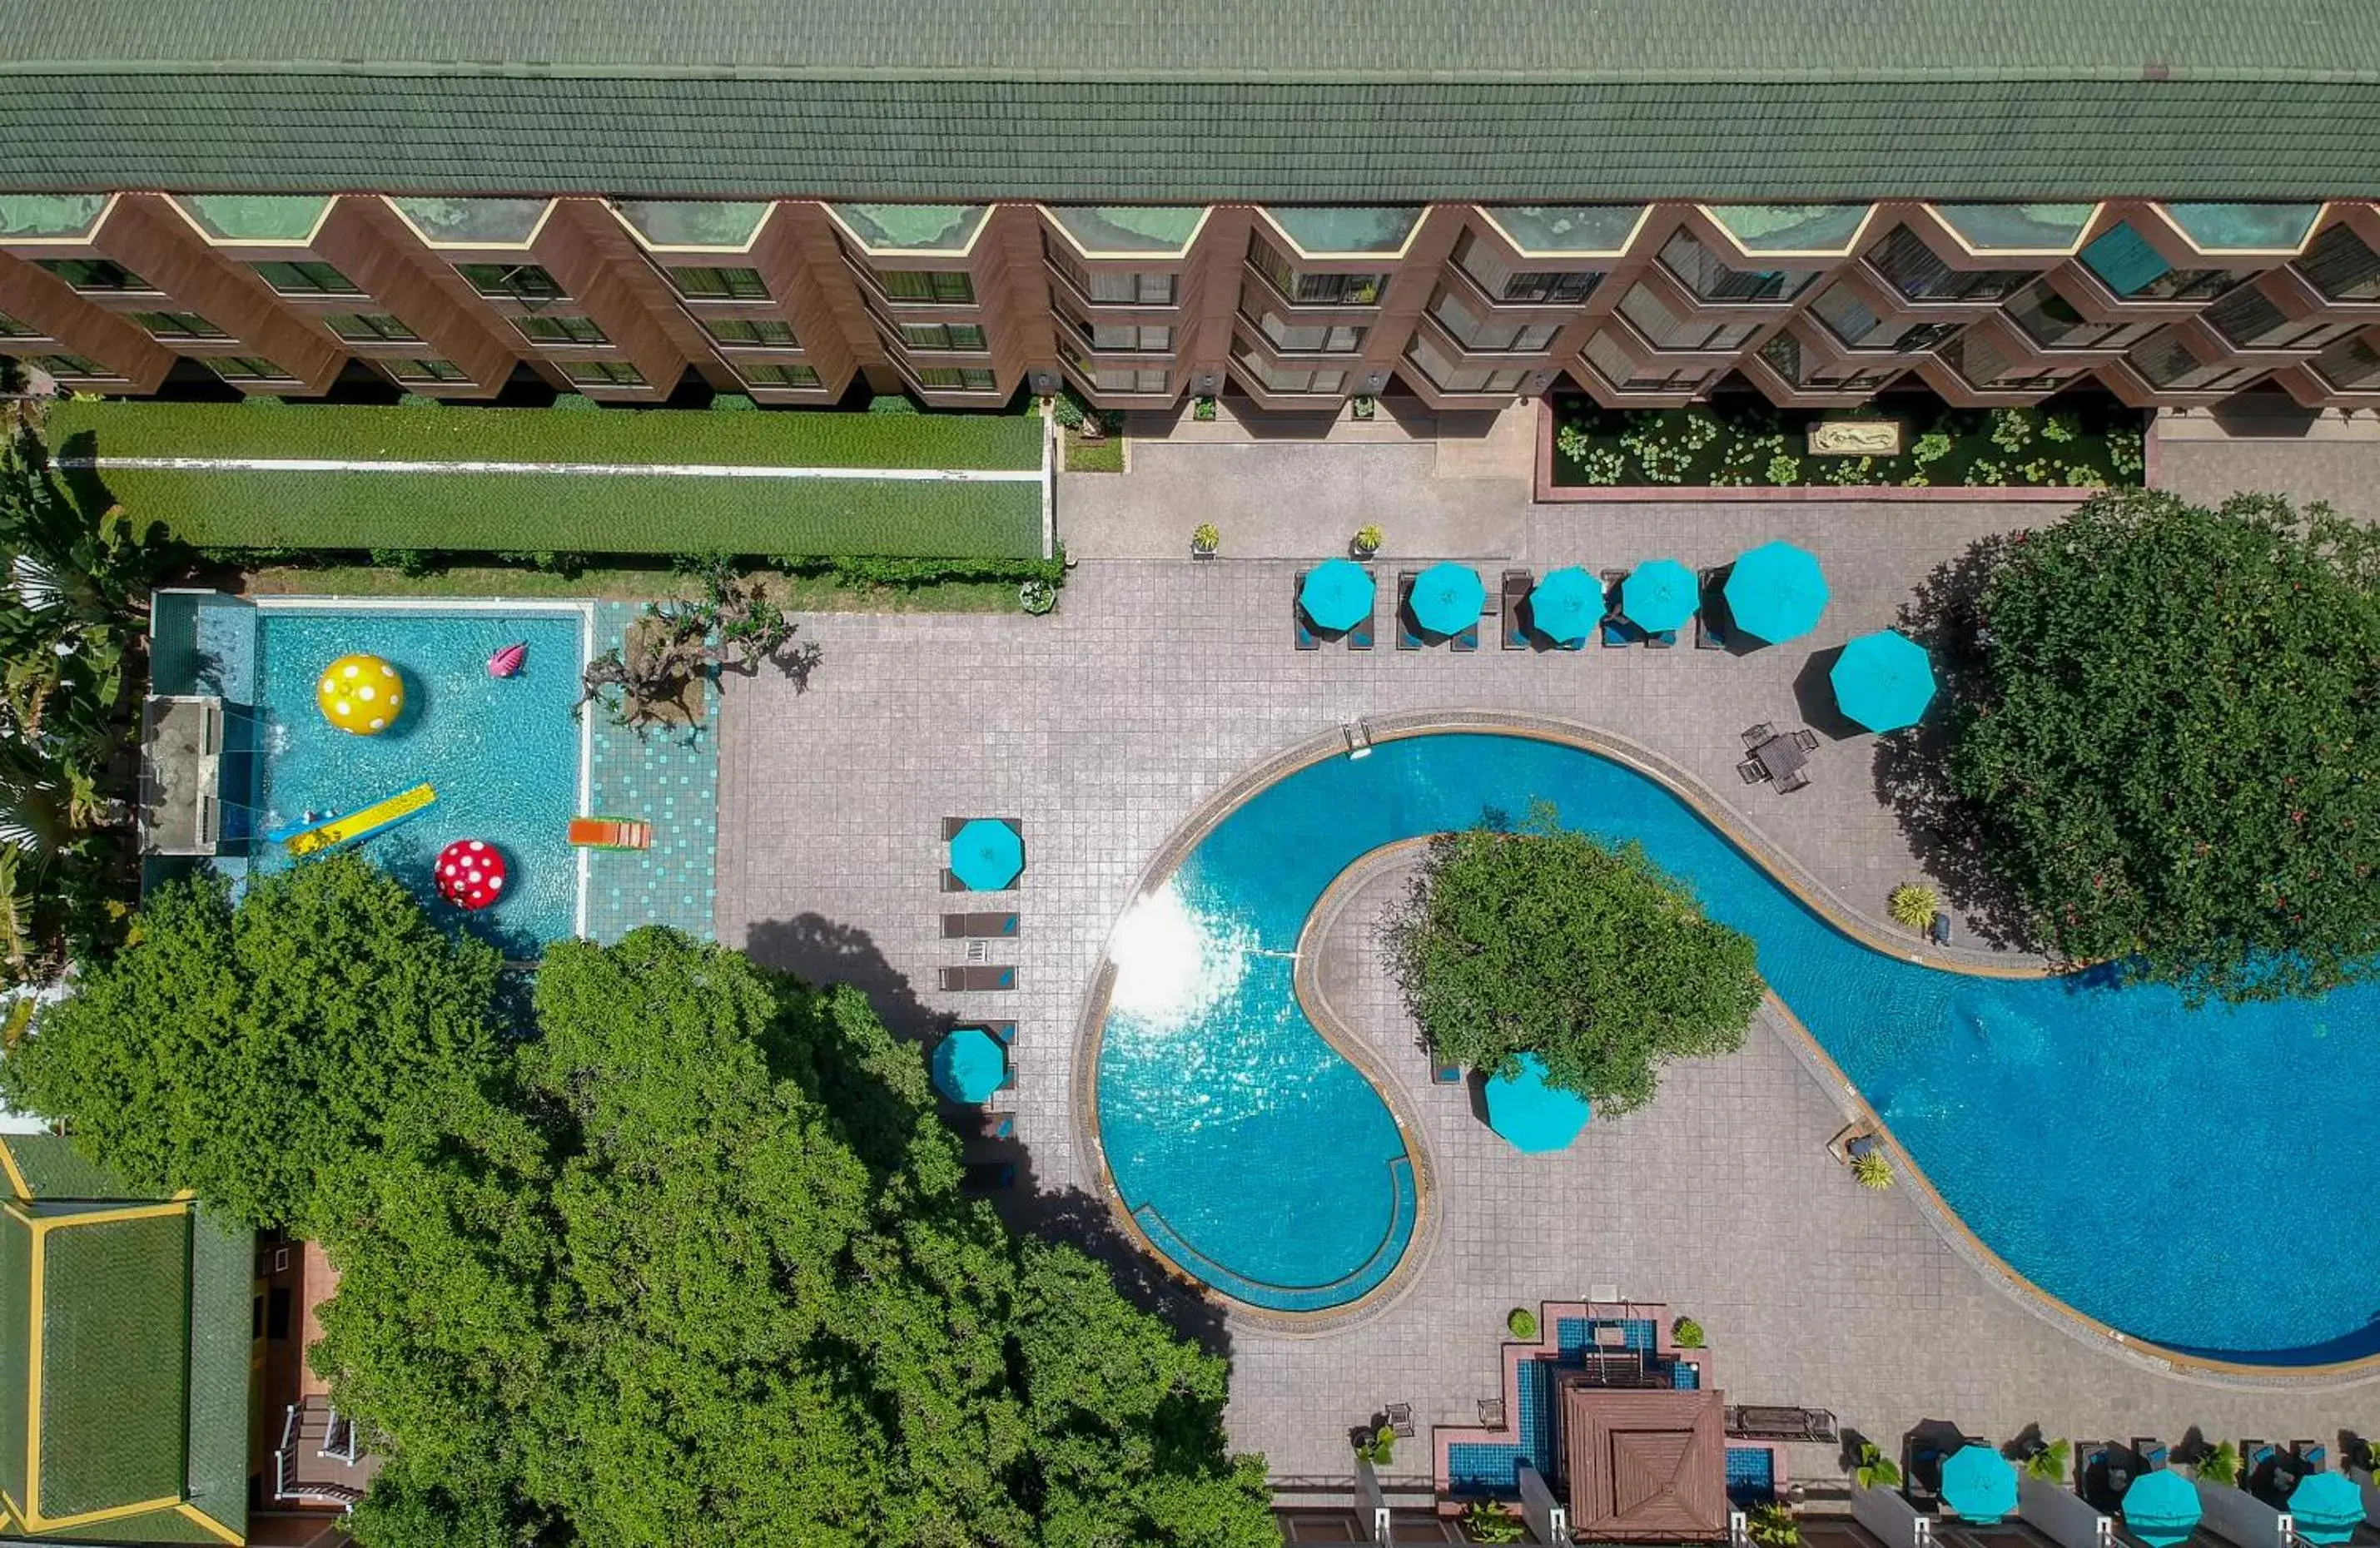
pixel 360 694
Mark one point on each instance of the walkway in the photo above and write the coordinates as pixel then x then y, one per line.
pixel 1157 683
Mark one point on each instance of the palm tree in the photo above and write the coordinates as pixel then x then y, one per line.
pixel 16 916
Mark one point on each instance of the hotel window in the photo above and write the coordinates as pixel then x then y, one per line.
pixel 1920 274
pixel 2166 364
pixel 1314 290
pixel 1703 274
pixel 602 373
pixel 1785 356
pixel 95 274
pixel 1123 379
pixel 1286 380
pixel 306 278
pixel 1974 358
pixel 703 284
pixel 2052 321
pixel 755 332
pixel 511 281
pixel 71 365
pixel 761 375
pixel 2341 267
pixel 1612 364
pixel 2133 271
pixel 1292 337
pixel 946 379
pixel 2249 319
pixel 12 328
pixel 949 287
pixel 1111 287
pixel 1851 321
pixel 1665 330
pixel 178 325
pixel 1155 338
pixel 549 328
pixel 246 368
pixel 965 336
pixel 424 370
pixel 370 327
pixel 1501 281
pixel 2350 365
pixel 1474 331
pixel 1447 377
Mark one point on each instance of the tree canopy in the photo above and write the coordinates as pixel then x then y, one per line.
pixel 2173 741
pixel 1545 940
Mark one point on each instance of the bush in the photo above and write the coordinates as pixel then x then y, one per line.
pixel 412 562
pixel 862 570
pixel 1686 1333
pixel 417 400
pixel 577 403
pixel 1913 907
pixel 1522 1324
pixel 1873 1168
pixel 1204 538
pixel 892 403
pixel 1067 409
pixel 1037 597
pixel 1486 1521
pixel 1772 1526
pixel 731 402
pixel 1783 470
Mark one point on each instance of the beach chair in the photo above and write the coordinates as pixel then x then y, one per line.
pixel 1468 640
pixel 1751 771
pixel 1710 626
pixel 1794 779
pixel 1306 638
pixel 1754 735
pixel 1517 585
pixel 1806 738
pixel 986 978
pixel 1617 633
pixel 979 926
pixel 1666 639
pixel 1360 636
pixel 1406 638
pixel 611 833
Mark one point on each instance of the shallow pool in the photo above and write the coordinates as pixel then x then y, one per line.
pixel 504 755
pixel 2171 1172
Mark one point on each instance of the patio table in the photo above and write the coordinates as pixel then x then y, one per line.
pixel 1780 755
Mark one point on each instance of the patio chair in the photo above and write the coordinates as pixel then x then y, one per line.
pixel 1806 738
pixel 1491 1413
pixel 987 978
pixel 1517 585
pixel 1468 640
pixel 1360 636
pixel 1751 771
pixel 1755 735
pixel 1617 633
pixel 1710 627
pixel 979 926
pixel 1798 779
pixel 1406 638
pixel 1306 638
pixel 1399 1418
pixel 1665 640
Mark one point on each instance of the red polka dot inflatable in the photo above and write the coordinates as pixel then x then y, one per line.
pixel 471 873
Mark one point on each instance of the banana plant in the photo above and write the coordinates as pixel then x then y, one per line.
pixel 16 916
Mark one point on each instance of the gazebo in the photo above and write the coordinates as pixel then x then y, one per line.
pixel 1646 1465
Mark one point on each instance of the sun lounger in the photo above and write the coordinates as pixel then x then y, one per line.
pixel 1616 631
pixel 1755 735
pixel 1517 585
pixel 1467 640
pixel 1360 636
pixel 1794 779
pixel 1752 1422
pixel 1806 738
pixel 611 833
pixel 1406 638
pixel 987 978
pixel 979 926
pixel 1662 641
pixel 1751 771
pixel 1710 628
pixel 1306 638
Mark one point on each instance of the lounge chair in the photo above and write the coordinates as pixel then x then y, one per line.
pixel 1751 771
pixel 1754 735
pixel 1616 631
pixel 1467 640
pixel 1406 638
pixel 979 926
pixel 1710 628
pixel 1517 585
pixel 1666 639
pixel 1306 638
pixel 1360 636
pixel 1806 738
pixel 986 978
pixel 987 1177
pixel 1797 779
pixel 1752 1422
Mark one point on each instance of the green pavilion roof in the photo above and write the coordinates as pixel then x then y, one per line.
pixel 1281 101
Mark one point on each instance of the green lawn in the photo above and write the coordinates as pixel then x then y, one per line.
pixel 587 514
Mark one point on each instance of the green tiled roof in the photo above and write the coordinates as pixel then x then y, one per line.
pixel 1096 102
pixel 53 1168
pixel 115 1326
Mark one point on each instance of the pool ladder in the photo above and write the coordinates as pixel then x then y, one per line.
pixel 1359 739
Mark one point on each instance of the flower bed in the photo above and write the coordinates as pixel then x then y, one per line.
pixel 1752 445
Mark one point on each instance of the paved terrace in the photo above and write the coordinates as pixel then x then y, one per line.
pixel 1157 683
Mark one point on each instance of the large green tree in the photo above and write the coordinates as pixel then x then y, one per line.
pixel 2172 739
pixel 249 1052
pixel 1542 939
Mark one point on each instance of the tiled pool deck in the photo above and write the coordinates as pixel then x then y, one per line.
pixel 668 779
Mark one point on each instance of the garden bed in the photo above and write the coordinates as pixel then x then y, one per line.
pixel 1746 448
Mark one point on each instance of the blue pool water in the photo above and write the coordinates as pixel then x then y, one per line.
pixel 2169 1171
pixel 502 755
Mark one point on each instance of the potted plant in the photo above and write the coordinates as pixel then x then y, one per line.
pixel 1204 540
pixel 1202 409
pixel 1376 1445
pixel 2217 1464
pixel 1486 1521
pixel 2048 1462
pixel 1368 541
pixel 1873 1469
pixel 1362 406
pixel 1872 1167
pixel 1686 1334
pixel 1037 597
pixel 1522 1324
pixel 1913 908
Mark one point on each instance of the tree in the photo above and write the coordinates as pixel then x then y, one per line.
pixel 250 1053
pixel 2172 741
pixel 1549 941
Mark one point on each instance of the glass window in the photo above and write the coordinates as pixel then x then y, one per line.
pixel 71 365
pixel 1976 359
pixel 2017 227
pixel 255 217
pixel 1113 288
pixel 366 327
pixel 94 273
pixel 957 379
pixel 1292 336
pixel 1699 270
pixel 705 283
pixel 945 287
pixel 1447 377
pixel 2341 267
pixel 1799 369
pixel 1501 281
pixel 679 223
pixel 763 375
pixel 470 223
pixel 1919 274
pixel 1345 229
pixel 1851 321
pixel 2134 271
pixel 1286 379
pixel 1117 228
pixel 764 333
pixel 1473 329
pixel 2249 320
pixel 178 325
pixel 1155 338
pixel 2052 321
pixel 1664 328
pixel 1613 364
pixel 2245 227
pixel 554 328
pixel 1120 377
pixel 49 214
pixel 603 374
pixel 246 368
pixel 1790 229
pixel 1314 290
pixel 424 370
pixel 913 227
pixel 2165 362
pixel 511 281
pixel 965 336
pixel 308 278
pixel 13 328
pixel 1566 228
pixel 2349 364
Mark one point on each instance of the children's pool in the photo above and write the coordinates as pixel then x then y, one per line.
pixel 506 757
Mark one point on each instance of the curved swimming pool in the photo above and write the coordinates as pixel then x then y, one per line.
pixel 2165 1170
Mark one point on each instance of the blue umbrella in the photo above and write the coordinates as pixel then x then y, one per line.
pixel 1659 595
pixel 986 854
pixel 969 1065
pixel 1776 592
pixel 2326 1506
pixel 2161 1508
pixel 1447 598
pixel 1883 681
pixel 1534 1116
pixel 1566 605
pixel 1337 595
pixel 1979 1485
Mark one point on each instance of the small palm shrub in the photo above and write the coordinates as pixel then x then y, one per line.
pixel 1874 1169
pixel 1522 1324
pixel 1913 907
pixel 2219 1465
pixel 1205 539
pixel 1873 1470
pixel 2048 1464
pixel 1486 1521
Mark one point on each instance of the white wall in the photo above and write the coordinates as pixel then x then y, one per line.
pixel 2061 1515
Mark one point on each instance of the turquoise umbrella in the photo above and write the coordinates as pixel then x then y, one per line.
pixel 969 1065
pixel 2326 1508
pixel 1776 592
pixel 1534 1116
pixel 1566 605
pixel 1659 595
pixel 1337 595
pixel 1447 598
pixel 1883 681
pixel 1979 1485
pixel 2161 1508
pixel 986 854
